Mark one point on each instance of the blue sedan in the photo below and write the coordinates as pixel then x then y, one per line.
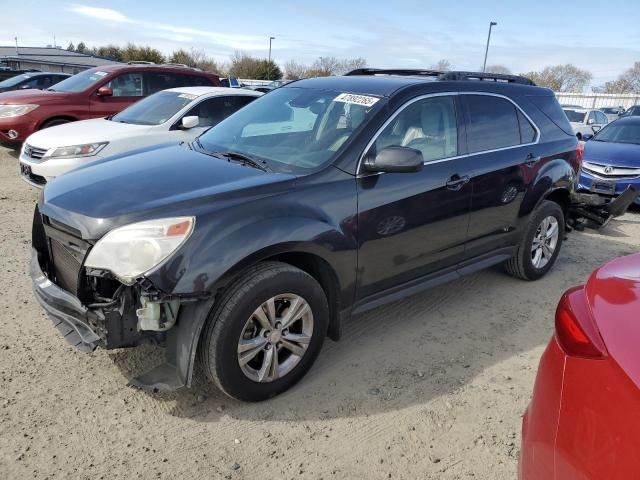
pixel 611 159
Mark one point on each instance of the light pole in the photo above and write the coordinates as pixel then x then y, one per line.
pixel 269 64
pixel 484 65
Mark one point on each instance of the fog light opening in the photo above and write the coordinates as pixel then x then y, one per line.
pixel 12 134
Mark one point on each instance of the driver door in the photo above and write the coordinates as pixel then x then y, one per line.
pixel 411 225
pixel 127 88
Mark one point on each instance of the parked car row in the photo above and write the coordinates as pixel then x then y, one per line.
pixel 240 229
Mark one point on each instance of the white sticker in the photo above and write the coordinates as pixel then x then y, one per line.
pixel 188 96
pixel 101 74
pixel 363 100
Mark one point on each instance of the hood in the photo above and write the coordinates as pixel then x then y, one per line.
pixel 35 96
pixel 614 154
pixel 150 183
pixel 613 294
pixel 85 131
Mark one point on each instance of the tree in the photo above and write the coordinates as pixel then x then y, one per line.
pixel 81 48
pixel 561 78
pixel 132 52
pixel 71 47
pixel 110 51
pixel 501 69
pixel 295 71
pixel 243 65
pixel 267 70
pixel 195 58
pixel 348 64
pixel 324 67
pixel 628 82
pixel 442 65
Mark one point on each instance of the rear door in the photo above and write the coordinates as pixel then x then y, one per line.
pixel 503 160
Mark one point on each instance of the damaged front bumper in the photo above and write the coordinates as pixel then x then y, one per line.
pixel 593 210
pixel 114 325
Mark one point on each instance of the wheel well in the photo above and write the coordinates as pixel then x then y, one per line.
pixel 325 276
pixel 59 117
pixel 561 197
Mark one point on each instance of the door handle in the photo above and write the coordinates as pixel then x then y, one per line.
pixel 456 182
pixel 531 160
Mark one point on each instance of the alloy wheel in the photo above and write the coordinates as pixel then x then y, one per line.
pixel 545 241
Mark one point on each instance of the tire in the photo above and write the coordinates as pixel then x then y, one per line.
pixel 54 122
pixel 234 318
pixel 523 263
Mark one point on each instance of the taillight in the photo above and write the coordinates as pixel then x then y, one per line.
pixel 576 330
pixel 579 153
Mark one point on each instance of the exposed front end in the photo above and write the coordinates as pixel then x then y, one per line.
pixel 607 180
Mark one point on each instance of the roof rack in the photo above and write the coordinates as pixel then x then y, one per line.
pixel 180 65
pixel 444 76
pixel 140 62
pixel 491 77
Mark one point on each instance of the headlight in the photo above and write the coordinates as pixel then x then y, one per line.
pixel 7 111
pixel 86 150
pixel 132 250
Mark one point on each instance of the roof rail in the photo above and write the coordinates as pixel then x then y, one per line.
pixel 179 65
pixel 443 76
pixel 140 62
pixel 491 77
pixel 395 71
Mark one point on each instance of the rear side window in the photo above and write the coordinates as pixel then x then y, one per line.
pixel 157 81
pixel 492 123
pixel 527 132
pixel 552 109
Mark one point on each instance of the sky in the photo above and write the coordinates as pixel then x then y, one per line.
pixel 600 36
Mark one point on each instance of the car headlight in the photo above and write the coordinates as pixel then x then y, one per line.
pixel 130 251
pixel 7 111
pixel 86 150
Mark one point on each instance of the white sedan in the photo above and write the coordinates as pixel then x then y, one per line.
pixel 585 121
pixel 174 115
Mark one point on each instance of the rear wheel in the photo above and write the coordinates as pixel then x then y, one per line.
pixel 540 245
pixel 265 332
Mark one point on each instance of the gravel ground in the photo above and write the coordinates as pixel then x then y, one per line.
pixel 428 387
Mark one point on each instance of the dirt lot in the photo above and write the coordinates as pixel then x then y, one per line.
pixel 429 387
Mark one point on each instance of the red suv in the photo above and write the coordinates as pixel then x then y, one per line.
pixel 98 92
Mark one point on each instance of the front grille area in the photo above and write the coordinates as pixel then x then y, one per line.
pixel 65 266
pixel 609 172
pixel 34 152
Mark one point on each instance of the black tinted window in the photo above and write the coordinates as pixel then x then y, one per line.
pixel 527 132
pixel 551 108
pixel 492 123
pixel 213 110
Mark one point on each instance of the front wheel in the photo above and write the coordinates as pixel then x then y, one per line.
pixel 265 331
pixel 540 245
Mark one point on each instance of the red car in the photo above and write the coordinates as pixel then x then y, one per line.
pixel 98 92
pixel 583 421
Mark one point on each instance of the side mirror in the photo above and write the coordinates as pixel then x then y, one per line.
pixel 190 122
pixel 596 128
pixel 104 92
pixel 591 121
pixel 395 159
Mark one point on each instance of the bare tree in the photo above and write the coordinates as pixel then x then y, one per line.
pixel 498 69
pixel 628 82
pixel 295 71
pixel 324 67
pixel 561 78
pixel 346 65
pixel 442 65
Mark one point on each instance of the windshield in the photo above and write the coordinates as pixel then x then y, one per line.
pixel 79 82
pixel 13 81
pixel 293 129
pixel 155 109
pixel 620 133
pixel 573 116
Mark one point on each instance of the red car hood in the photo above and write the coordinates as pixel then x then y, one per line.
pixel 38 97
pixel 613 293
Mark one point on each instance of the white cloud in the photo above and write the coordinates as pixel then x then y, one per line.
pixel 100 13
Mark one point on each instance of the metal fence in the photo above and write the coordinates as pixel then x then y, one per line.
pixel 598 100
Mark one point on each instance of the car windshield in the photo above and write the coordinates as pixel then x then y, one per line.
pixel 13 81
pixel 620 133
pixel 573 116
pixel 293 129
pixel 79 82
pixel 155 109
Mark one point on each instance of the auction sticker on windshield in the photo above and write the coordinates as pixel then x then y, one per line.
pixel 363 100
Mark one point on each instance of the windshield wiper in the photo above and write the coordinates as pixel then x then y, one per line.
pixel 260 164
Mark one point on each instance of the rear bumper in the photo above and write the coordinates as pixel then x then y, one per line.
pixel 69 316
